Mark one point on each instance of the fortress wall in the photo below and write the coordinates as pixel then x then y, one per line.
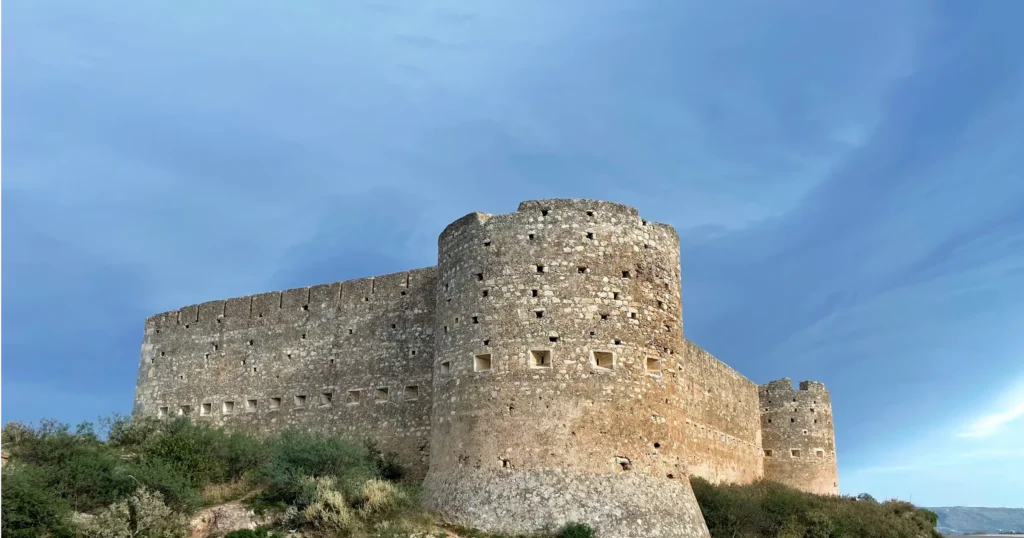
pixel 799 438
pixel 723 420
pixel 558 393
pixel 351 358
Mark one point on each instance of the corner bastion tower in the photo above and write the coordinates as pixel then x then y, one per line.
pixel 537 375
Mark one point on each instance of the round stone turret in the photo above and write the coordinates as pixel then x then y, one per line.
pixel 798 438
pixel 557 394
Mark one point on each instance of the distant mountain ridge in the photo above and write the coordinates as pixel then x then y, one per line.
pixel 971 519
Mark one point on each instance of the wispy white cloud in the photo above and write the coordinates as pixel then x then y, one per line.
pixel 1010 409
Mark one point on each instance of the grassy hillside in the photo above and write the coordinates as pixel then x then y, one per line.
pixel 963 519
pixel 145 478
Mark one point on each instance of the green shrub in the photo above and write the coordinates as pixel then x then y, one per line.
pixel 206 454
pixel 770 509
pixel 75 466
pixel 292 456
pixel 29 507
pixel 176 486
pixel 577 530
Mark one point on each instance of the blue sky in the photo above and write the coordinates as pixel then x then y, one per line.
pixel 846 181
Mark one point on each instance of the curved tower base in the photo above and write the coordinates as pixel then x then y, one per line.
pixel 621 505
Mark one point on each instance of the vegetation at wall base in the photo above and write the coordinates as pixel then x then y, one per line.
pixel 771 509
pixel 143 477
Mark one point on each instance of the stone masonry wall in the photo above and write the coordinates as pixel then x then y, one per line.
pixel 798 436
pixel 723 420
pixel 350 358
pixel 557 376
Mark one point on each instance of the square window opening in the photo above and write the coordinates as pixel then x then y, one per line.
pixel 582 269
pixel 300 400
pixel 544 212
pixel 485 293
pixel 480 276
pixel 604 360
pixel 275 403
pixel 446 368
pixel 161 412
pixel 206 409
pixel 540 358
pixel 228 407
pixel 482 363
pixel 382 394
pixel 540 268
pixel 590 235
pixel 531 236
pixel 184 410
pixel 795 452
pixel 615 295
pixel 553 339
pixel 653 366
pixel 539 313
pixel 626 274
pixel 353 397
pixel 590 213
pixel 534 293
pixel 476 319
pixel 326 398
pixel 768 453
pixel 412 393
pixel 250 405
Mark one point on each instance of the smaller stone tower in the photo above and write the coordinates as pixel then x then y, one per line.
pixel 798 437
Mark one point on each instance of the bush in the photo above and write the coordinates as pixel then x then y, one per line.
pixel 770 509
pixel 577 530
pixel 75 466
pixel 141 515
pixel 30 508
pixel 207 455
pixel 328 509
pixel 293 456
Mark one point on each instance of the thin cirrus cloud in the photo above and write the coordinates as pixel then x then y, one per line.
pixel 1009 413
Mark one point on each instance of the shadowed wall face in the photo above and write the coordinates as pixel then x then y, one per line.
pixel 350 358
pixel 557 373
pixel 798 436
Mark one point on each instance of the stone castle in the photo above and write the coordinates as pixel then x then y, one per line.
pixel 537 375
